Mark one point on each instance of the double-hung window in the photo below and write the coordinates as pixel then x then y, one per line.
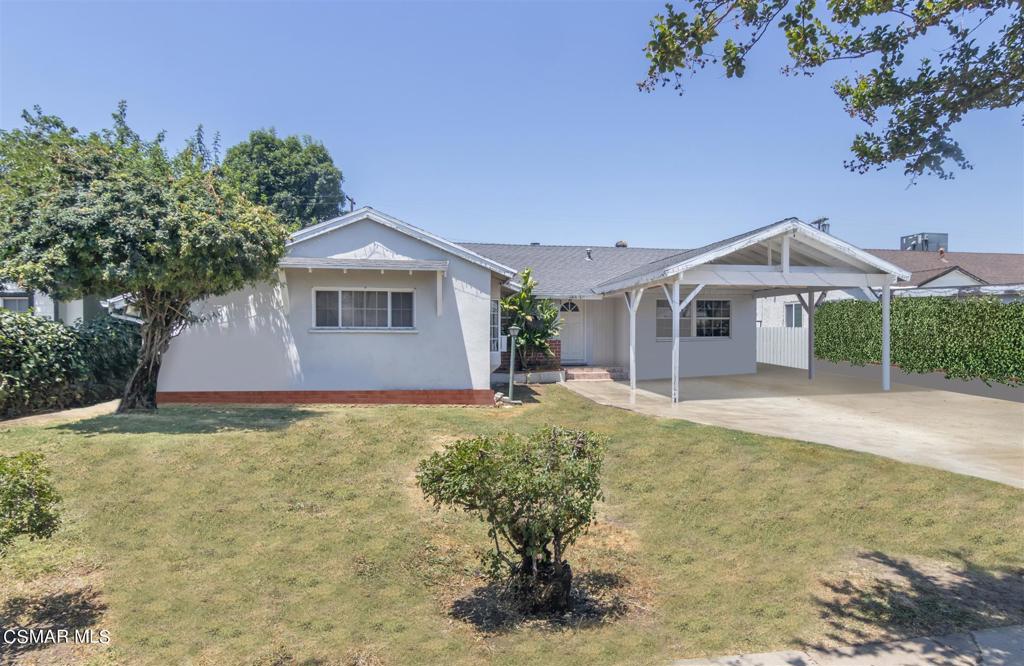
pixel 702 318
pixel 714 318
pixel 15 303
pixel 495 325
pixel 363 309
pixel 663 321
pixel 794 315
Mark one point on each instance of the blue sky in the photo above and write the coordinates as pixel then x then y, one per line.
pixel 505 122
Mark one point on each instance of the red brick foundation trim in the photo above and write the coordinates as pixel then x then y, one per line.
pixel 419 397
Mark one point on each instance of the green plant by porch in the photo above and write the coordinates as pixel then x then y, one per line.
pixel 537 319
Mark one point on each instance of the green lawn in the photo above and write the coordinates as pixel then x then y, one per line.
pixel 296 535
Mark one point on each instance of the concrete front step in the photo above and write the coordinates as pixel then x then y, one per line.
pixel 591 373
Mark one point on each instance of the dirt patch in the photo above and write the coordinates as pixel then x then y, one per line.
pixel 70 600
pixel 880 598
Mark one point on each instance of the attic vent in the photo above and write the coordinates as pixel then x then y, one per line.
pixel 621 244
pixel 534 243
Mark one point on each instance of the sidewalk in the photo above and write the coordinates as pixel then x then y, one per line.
pixel 988 647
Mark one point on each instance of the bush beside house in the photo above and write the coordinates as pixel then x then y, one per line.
pixel 975 338
pixel 48 365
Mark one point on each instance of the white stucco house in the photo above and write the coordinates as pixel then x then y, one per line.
pixel 368 308
pixel 17 299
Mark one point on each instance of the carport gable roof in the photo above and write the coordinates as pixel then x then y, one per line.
pixel 367 213
pixel 689 259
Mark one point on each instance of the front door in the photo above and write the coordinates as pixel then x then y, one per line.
pixel 571 333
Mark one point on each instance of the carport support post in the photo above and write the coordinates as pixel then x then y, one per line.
pixel 810 335
pixel 675 342
pixel 633 302
pixel 886 378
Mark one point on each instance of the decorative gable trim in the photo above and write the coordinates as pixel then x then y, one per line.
pixel 367 213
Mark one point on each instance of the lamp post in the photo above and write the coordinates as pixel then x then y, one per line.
pixel 513 330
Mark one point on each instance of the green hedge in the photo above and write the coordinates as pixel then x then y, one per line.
pixel 47 365
pixel 974 338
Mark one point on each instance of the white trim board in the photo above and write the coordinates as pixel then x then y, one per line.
pixel 367 213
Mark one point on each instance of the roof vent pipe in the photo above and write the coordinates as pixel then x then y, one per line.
pixel 590 257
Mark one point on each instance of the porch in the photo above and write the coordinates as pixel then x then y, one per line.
pixel 960 433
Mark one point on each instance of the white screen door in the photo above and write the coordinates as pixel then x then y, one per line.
pixel 571 333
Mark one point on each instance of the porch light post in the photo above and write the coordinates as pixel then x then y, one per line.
pixel 513 331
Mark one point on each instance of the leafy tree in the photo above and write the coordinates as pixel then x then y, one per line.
pixel 919 101
pixel 109 213
pixel 537 319
pixel 295 177
pixel 28 500
pixel 537 496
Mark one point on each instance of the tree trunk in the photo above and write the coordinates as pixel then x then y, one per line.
pixel 159 325
pixel 543 587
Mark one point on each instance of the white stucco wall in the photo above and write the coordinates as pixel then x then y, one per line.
pixel 72 311
pixel 601 331
pixel 262 338
pixel 698 357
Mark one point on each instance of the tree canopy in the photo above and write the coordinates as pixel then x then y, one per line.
pixel 926 64
pixel 294 176
pixel 109 213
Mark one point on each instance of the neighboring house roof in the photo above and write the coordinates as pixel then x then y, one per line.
pixel 987 267
pixel 564 270
pixel 922 278
pixel 367 213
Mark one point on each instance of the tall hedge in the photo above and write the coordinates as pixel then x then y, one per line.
pixel 47 365
pixel 973 338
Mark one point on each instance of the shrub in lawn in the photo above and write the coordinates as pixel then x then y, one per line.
pixel 28 500
pixel 537 495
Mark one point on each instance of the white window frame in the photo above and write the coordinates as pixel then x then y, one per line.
pixel 362 329
pixel 798 311
pixel 696 318
pixel 694 304
pixel 495 323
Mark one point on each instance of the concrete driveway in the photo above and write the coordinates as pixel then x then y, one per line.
pixel 961 433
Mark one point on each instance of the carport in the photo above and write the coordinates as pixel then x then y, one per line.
pixel 787 257
pixel 960 433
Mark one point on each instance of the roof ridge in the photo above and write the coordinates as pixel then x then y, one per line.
pixel 593 247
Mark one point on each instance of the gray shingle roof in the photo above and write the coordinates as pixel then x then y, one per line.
pixel 563 270
pixel 672 260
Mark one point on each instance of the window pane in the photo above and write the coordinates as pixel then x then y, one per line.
pixel 663 321
pixel 401 309
pixel 326 308
pixel 348 308
pixel 664 328
pixel 377 312
pixel 15 303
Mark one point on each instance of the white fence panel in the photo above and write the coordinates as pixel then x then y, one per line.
pixel 780 345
